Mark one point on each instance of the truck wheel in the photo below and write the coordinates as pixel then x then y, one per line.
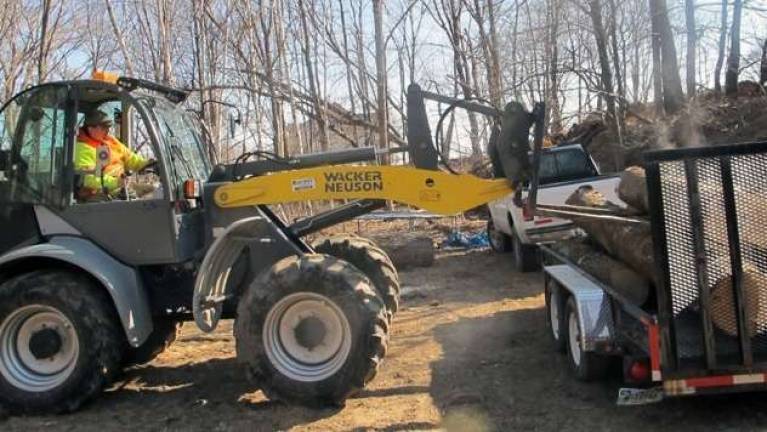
pixel 587 366
pixel 165 332
pixel 525 256
pixel 499 242
pixel 374 263
pixel 555 315
pixel 311 330
pixel 60 342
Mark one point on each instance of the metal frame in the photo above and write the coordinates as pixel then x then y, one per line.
pixel 724 154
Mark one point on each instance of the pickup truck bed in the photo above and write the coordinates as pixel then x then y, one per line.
pixel 563 170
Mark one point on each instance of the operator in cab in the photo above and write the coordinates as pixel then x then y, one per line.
pixel 102 161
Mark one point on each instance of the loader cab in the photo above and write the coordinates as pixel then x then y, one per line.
pixel 39 184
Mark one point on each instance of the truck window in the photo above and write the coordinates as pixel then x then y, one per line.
pixel 574 164
pixel 548 169
pixel 565 165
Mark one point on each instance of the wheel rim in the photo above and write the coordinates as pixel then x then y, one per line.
pixel 554 314
pixel 575 337
pixel 307 337
pixel 39 348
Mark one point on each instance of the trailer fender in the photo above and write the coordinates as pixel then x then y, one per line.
pixel 594 306
pixel 122 282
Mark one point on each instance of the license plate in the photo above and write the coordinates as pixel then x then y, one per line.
pixel 635 396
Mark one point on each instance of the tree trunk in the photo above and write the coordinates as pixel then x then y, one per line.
pixel 120 39
pixel 495 85
pixel 349 73
pixel 673 97
pixel 733 61
pixel 42 60
pixel 552 52
pixel 595 11
pixel 763 73
pixel 657 75
pixel 311 78
pixel 722 45
pixel 382 114
pixel 691 43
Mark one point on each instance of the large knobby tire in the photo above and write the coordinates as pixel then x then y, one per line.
pixel 586 365
pixel 165 332
pixel 370 259
pixel 500 242
pixel 525 255
pixel 311 330
pixel 60 342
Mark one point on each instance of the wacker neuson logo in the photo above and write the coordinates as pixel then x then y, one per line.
pixel 361 181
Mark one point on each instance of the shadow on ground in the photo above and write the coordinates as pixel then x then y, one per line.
pixel 500 373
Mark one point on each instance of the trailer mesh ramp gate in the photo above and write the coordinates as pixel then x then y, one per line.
pixel 709 217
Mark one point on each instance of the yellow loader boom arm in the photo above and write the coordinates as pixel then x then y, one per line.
pixel 436 191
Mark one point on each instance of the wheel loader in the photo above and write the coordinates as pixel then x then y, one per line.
pixel 88 288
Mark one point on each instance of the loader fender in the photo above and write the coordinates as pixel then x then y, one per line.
pixel 122 282
pixel 265 243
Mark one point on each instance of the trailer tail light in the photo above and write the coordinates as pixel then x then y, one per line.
pixel 192 189
pixel 639 371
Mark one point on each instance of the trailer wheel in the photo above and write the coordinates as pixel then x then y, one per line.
pixel 555 316
pixel 587 366
pixel 525 256
pixel 60 342
pixel 311 330
pixel 499 241
pixel 165 332
pixel 371 260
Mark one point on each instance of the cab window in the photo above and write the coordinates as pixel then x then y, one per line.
pixel 36 135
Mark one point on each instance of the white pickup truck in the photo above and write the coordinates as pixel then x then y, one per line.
pixel 562 170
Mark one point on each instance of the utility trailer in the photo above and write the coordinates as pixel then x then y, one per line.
pixel 707 223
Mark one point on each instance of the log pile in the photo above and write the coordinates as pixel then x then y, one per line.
pixel 620 252
pixel 407 250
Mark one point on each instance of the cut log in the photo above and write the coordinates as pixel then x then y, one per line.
pixel 631 285
pixel 630 243
pixel 632 188
pixel 407 250
pixel 755 296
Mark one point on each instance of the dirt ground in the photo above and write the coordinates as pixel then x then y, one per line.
pixel 469 352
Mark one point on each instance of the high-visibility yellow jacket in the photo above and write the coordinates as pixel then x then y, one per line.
pixel 96 161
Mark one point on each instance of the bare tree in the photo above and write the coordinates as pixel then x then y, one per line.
pixel 691 45
pixel 381 95
pixel 595 11
pixel 722 45
pixel 733 60
pixel 763 68
pixel 673 97
pixel 120 38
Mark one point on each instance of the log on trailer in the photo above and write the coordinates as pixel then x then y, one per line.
pixel 630 243
pixel 624 280
pixel 755 302
pixel 632 188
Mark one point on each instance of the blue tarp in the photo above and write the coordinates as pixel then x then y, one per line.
pixel 466 240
